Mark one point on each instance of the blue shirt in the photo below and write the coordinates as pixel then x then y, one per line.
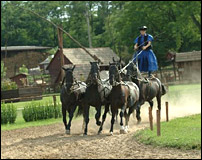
pixel 150 38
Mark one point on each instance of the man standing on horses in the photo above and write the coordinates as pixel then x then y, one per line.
pixel 147 61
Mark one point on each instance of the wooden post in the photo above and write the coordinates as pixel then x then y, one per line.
pixel 60 43
pixel 54 100
pixel 167 112
pixel 150 118
pixel 158 122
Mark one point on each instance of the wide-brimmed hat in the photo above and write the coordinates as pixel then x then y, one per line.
pixel 143 28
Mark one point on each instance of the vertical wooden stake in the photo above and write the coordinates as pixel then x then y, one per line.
pixel 167 119
pixel 158 122
pixel 54 100
pixel 150 118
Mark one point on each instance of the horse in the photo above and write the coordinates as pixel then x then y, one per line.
pixel 96 95
pixel 124 94
pixel 71 96
pixel 149 88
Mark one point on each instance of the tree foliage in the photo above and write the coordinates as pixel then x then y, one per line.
pixel 175 25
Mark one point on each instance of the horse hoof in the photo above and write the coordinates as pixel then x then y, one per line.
pixel 99 132
pixel 98 123
pixel 85 134
pixel 138 121
pixel 122 131
pixel 68 132
pixel 111 133
pixel 125 131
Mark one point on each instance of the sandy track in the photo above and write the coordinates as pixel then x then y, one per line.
pixel 51 142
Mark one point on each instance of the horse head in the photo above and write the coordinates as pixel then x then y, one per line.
pixel 132 71
pixel 95 72
pixel 118 62
pixel 114 75
pixel 69 78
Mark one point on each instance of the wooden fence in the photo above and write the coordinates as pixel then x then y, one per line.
pixel 22 94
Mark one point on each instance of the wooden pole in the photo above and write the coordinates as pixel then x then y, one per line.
pixel 150 118
pixel 54 100
pixel 158 122
pixel 167 119
pixel 60 44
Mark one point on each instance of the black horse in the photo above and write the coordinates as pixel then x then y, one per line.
pixel 149 88
pixel 71 96
pixel 96 95
pixel 123 95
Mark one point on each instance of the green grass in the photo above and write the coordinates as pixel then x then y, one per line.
pixel 181 133
pixel 20 123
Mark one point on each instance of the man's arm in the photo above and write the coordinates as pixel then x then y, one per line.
pixel 145 47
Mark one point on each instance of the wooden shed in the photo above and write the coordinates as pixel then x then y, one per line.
pixel 189 65
pixel 78 57
pixel 15 56
pixel 20 79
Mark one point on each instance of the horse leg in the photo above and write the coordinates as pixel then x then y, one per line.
pixel 103 118
pixel 151 103
pixel 116 120
pixel 86 110
pixel 138 113
pixel 71 115
pixel 97 115
pixel 112 121
pixel 64 116
pixel 121 117
pixel 159 103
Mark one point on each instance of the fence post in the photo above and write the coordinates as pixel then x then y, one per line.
pixel 167 119
pixel 150 118
pixel 54 100
pixel 158 122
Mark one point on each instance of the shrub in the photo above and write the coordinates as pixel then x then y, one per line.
pixel 8 113
pixel 8 85
pixel 38 111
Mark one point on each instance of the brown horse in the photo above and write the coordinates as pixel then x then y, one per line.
pixel 149 88
pixel 123 95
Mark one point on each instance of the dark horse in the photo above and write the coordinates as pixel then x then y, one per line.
pixel 71 96
pixel 96 95
pixel 123 95
pixel 149 88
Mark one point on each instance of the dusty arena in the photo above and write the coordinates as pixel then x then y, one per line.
pixel 51 141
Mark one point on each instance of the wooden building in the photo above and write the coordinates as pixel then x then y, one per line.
pixel 20 80
pixel 189 65
pixel 15 56
pixel 78 57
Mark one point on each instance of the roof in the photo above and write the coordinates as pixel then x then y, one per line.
pixel 23 74
pixel 188 56
pixel 47 60
pixel 23 48
pixel 79 56
pixel 105 54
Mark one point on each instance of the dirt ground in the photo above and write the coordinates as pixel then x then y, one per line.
pixel 46 142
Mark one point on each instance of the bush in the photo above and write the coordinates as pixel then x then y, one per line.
pixel 8 113
pixel 38 111
pixel 8 85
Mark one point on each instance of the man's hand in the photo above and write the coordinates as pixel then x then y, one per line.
pixel 144 47
pixel 135 47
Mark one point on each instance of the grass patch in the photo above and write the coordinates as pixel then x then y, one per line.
pixel 181 133
pixel 20 123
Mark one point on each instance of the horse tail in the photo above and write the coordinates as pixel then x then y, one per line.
pixel 80 111
pixel 163 89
